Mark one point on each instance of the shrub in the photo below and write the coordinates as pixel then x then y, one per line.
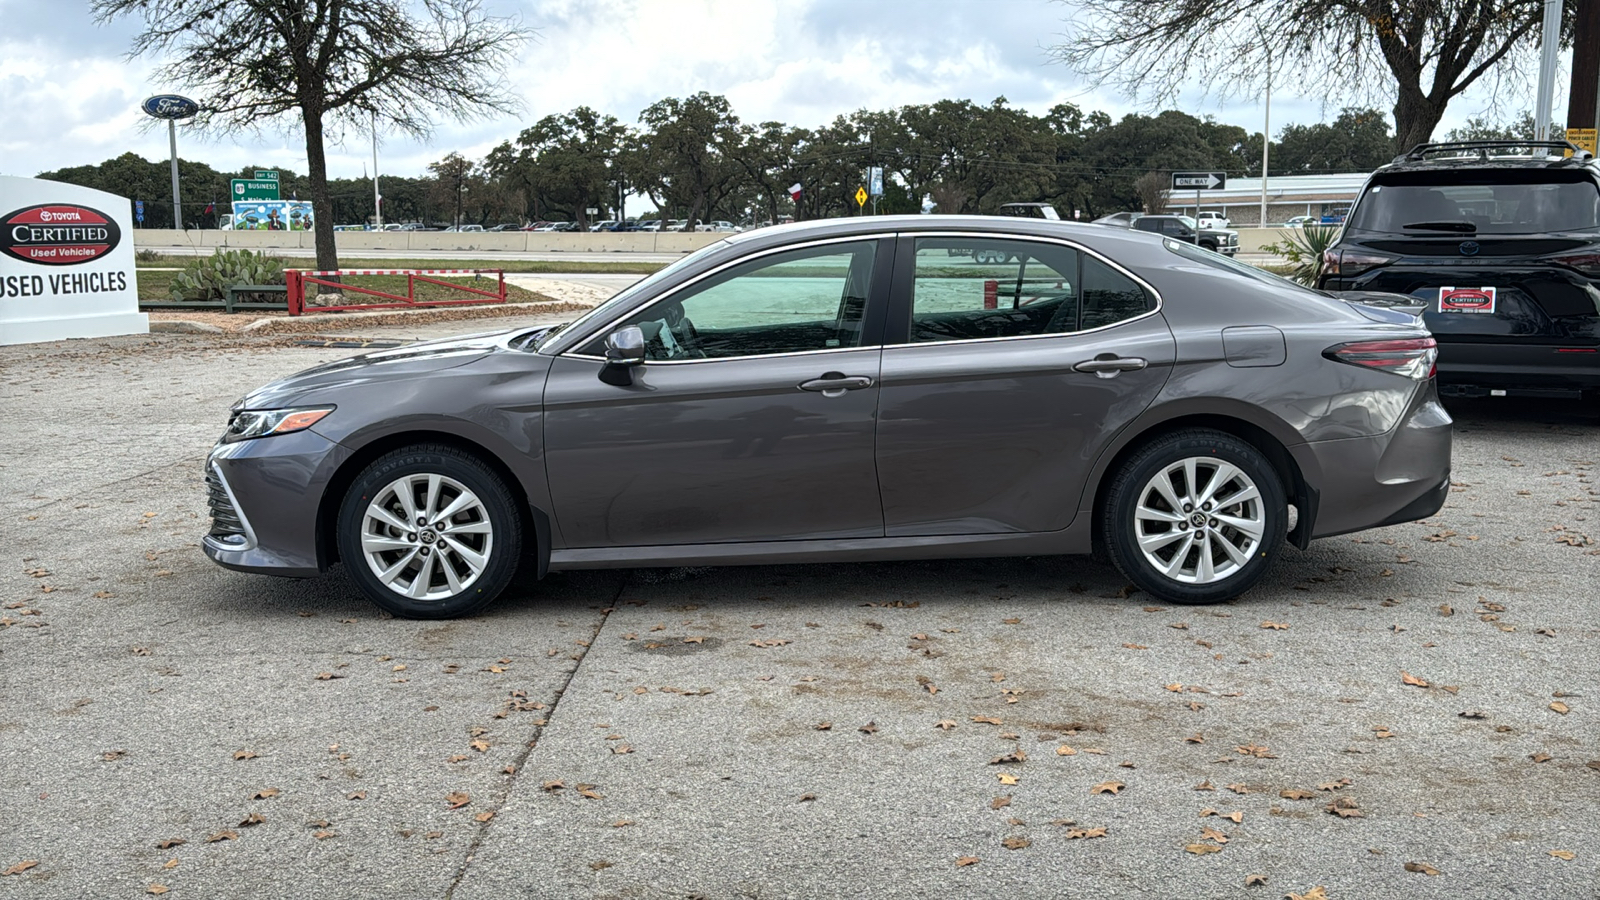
pixel 208 278
pixel 1303 248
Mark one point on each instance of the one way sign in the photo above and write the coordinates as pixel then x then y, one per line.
pixel 1199 181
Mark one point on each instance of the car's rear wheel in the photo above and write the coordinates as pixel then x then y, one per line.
pixel 1195 516
pixel 430 532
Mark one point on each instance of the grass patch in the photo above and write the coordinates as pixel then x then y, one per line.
pixel 157 286
pixel 518 266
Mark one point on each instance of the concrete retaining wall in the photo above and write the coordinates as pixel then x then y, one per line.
pixel 423 242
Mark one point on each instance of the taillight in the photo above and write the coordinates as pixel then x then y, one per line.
pixel 1410 357
pixel 1587 262
pixel 1346 263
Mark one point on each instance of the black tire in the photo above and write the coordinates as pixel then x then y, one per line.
pixel 1209 245
pixel 1137 477
pixel 501 545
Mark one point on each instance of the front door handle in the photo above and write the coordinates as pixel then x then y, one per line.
pixel 1107 365
pixel 834 384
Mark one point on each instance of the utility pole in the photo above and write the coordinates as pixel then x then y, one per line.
pixel 1583 102
pixel 1266 142
pixel 1549 46
pixel 177 203
pixel 377 197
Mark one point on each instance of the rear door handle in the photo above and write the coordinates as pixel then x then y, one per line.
pixel 1107 365
pixel 833 384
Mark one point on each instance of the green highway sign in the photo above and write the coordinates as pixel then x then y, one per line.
pixel 266 174
pixel 251 189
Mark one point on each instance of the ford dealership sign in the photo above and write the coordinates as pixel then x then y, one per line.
pixel 66 263
pixel 170 106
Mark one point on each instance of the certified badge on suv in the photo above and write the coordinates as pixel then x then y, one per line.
pixel 1497 246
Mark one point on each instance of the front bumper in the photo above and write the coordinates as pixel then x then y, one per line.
pixel 1399 476
pixel 265 495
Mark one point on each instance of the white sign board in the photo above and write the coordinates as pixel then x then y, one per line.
pixel 66 263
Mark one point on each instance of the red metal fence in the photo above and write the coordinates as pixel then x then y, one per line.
pixel 297 281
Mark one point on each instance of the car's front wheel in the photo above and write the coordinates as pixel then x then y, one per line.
pixel 430 532
pixel 1196 516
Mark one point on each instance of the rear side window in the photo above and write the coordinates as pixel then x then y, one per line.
pixel 981 287
pixel 1508 201
pixel 1109 296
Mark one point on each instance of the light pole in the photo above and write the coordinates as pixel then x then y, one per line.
pixel 377 198
pixel 1266 126
pixel 1547 68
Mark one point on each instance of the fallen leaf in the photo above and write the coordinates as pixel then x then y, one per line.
pixel 1422 867
pixel 552 786
pixel 243 754
pixel 21 867
pixel 484 816
pixel 356 795
pixel 599 864
pixel 869 728
pixel 1064 750
pixel 1135 647
pixel 966 861
pixel 1202 849
pixel 1540 757
pixel 1194 739
pixel 156 889
pixel 1113 788
pixel 169 843
pixel 695 639
pixel 1000 802
pixel 987 720
pixel 1016 843
pixel 1204 786
pixel 1211 834
pixel 1255 880
pixel 1012 621
pixel 1345 808
pixel 457 799
pixel 587 790
pixel 1411 679
pixel 1015 756
pixel 265 794
pixel 223 836
pixel 1008 778
pixel 327 676
pixel 1567 855
pixel 1275 626
pixel 622 823
pixel 1333 785
pixel 621 749
pixel 806 798
pixel 1295 794
pixel 170 864
pixel 1316 893
pixel 1558 706
pixel 1473 714
pixel 945 724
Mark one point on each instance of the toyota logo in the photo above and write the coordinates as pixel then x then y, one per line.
pixel 1470 248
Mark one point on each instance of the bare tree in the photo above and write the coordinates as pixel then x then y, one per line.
pixel 1417 54
pixel 339 64
pixel 1153 189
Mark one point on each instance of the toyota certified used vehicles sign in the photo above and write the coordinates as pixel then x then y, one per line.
pixel 1466 300
pixel 58 234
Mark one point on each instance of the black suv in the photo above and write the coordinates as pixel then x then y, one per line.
pixel 1500 253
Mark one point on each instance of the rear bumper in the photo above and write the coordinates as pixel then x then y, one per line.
pixel 1368 482
pixel 1476 368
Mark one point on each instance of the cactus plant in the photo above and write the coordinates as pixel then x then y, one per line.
pixel 208 278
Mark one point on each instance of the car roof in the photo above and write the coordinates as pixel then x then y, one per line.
pixel 819 229
pixel 1475 155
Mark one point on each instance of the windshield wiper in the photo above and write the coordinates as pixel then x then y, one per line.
pixel 1460 227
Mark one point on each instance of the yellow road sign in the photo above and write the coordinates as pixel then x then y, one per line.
pixel 861 196
pixel 1583 137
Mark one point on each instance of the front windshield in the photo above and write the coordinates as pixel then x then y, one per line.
pixel 627 294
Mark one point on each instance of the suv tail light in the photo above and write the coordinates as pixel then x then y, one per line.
pixel 1412 358
pixel 1345 263
pixel 1587 262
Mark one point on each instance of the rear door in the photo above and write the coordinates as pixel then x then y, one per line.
pixel 1001 382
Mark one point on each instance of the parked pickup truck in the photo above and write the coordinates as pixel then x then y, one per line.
pixel 1183 228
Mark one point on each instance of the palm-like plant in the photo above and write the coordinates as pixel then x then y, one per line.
pixel 1303 248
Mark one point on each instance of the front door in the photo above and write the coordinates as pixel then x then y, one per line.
pixel 752 418
pixel 1003 381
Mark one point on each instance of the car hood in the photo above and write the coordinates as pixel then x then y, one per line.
pixel 397 363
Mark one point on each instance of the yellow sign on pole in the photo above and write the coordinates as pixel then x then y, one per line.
pixel 1584 138
pixel 861 196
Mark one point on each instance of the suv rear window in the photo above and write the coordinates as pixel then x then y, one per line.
pixel 1498 201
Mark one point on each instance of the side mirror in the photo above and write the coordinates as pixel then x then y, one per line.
pixel 625 346
pixel 624 351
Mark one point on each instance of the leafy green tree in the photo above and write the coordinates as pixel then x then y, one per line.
pixel 1357 141
pixel 568 159
pixel 327 64
pixel 681 158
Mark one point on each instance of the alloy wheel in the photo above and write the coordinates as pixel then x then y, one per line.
pixel 1199 520
pixel 426 536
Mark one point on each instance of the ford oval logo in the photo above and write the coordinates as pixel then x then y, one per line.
pixel 170 106
pixel 1469 248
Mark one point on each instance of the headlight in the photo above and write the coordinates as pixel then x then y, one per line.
pixel 254 423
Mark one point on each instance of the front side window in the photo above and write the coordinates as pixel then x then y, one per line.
pixel 792 302
pixel 976 288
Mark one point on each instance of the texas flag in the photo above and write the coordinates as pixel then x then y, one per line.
pixel 794 192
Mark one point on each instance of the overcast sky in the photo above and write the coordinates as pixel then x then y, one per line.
pixel 69 97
